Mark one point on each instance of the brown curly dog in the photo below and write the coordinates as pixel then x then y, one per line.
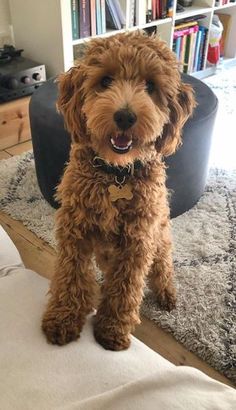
pixel 124 105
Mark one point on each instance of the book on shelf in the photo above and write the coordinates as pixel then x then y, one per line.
pixel 170 6
pixel 92 17
pixel 84 22
pixel 120 12
pixel 197 50
pixel 98 17
pixel 131 13
pixel 190 45
pixel 141 8
pixel 112 17
pixel 75 19
pixel 151 10
pixel 103 16
pixel 203 51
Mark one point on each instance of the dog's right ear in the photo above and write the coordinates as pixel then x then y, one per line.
pixel 70 101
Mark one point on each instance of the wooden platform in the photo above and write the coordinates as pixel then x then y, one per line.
pixel 40 257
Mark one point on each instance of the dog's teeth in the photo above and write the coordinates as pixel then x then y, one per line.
pixel 121 148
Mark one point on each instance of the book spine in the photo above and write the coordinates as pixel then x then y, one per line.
pixel 132 12
pixel 201 47
pixel 178 47
pixel 182 52
pixel 187 52
pixel 148 11
pixel 75 19
pixel 170 7
pixel 193 48
pixel 154 10
pixel 197 51
pixel 174 45
pixel 186 25
pixel 120 12
pixel 158 9
pixel 163 9
pixel 93 17
pixel 140 12
pixel 85 30
pixel 114 18
pixel 98 17
pixel 191 51
pixel 204 48
pixel 103 16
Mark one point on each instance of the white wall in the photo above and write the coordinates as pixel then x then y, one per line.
pixel 37 29
pixel 5 23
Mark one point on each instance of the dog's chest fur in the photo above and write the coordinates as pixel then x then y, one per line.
pixel 86 191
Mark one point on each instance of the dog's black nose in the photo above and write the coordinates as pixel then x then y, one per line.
pixel 125 119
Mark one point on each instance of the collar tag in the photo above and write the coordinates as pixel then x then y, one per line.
pixel 120 192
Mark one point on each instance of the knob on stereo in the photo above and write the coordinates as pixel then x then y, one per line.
pixel 25 80
pixel 36 76
pixel 12 83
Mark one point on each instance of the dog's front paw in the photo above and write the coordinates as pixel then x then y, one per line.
pixel 61 332
pixel 111 338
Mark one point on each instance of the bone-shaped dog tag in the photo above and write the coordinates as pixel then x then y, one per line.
pixel 120 192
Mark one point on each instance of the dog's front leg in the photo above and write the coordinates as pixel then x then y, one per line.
pixel 122 294
pixel 72 287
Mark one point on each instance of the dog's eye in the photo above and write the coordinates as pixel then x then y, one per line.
pixel 150 86
pixel 106 81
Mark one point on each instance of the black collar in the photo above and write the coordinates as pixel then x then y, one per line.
pixel 118 171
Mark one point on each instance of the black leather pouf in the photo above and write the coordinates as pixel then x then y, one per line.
pixel 187 169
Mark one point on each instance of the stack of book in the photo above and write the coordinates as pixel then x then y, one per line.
pixel 190 43
pixel 93 17
pixel 147 11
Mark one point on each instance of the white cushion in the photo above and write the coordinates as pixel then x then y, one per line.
pixel 82 375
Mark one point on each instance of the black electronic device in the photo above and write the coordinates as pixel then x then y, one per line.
pixel 19 76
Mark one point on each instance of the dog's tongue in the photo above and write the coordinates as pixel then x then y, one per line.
pixel 121 140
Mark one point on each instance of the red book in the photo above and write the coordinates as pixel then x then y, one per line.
pixel 154 10
pixel 158 9
pixel 85 26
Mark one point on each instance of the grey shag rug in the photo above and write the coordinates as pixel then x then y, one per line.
pixel 205 259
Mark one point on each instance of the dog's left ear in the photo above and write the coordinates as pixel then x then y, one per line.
pixel 70 101
pixel 180 109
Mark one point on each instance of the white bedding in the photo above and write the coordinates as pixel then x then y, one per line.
pixel 82 375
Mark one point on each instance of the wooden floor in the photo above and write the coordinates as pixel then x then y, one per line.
pixel 39 256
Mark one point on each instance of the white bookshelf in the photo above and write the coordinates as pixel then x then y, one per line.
pixel 44 29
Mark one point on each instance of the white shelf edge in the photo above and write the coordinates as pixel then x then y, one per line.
pixel 192 11
pixel 204 73
pixel 107 34
pixel 154 23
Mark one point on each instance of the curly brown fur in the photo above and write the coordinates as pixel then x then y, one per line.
pixel 130 238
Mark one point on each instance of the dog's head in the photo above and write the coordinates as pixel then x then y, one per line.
pixel 125 98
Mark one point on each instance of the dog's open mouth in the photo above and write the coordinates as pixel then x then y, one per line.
pixel 121 143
